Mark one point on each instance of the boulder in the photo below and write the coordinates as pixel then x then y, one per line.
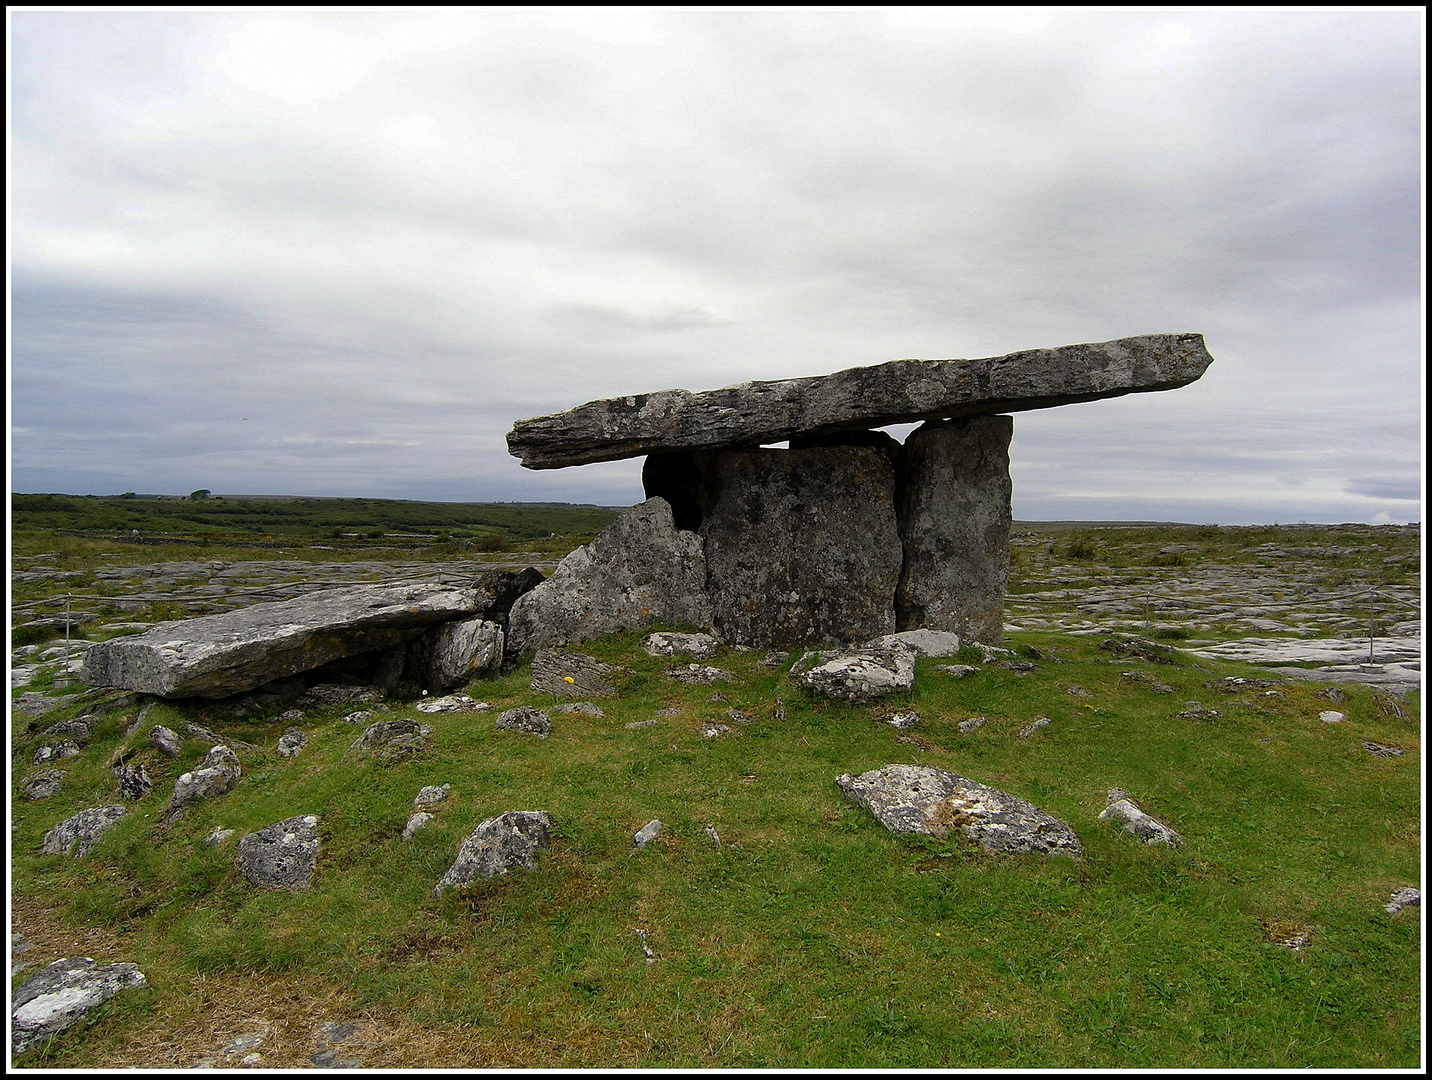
pixel 921 799
pixel 78 730
pixel 1124 811
pixel 862 674
pixel 525 718
pixel 801 545
pixel 42 784
pixel 55 750
pixel 166 741
pixel 499 845
pixel 454 653
pixel 391 740
pixel 952 499
pixel 282 855
pixel 291 742
pixel 638 571
pixel 569 674
pixel 696 646
pixel 921 642
pixel 80 833
pixel 134 782
pixel 220 655
pixel 218 774
pixel 902 391
pixel 59 996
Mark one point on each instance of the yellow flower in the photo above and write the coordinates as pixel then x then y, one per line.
pixel 568 678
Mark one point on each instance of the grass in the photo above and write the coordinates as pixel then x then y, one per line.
pixel 812 937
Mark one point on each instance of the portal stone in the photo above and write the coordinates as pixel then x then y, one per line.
pixel 952 498
pixel 801 545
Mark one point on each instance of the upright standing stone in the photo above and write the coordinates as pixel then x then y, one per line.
pixel 952 496
pixel 639 571
pixel 801 545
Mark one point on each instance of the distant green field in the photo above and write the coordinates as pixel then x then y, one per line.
pixel 249 518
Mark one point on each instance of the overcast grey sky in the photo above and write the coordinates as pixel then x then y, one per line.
pixel 340 253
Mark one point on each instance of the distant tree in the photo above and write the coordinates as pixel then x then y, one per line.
pixel 199 496
pixel 127 495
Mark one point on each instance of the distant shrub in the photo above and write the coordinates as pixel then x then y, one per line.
pixel 1081 549
pixel 494 543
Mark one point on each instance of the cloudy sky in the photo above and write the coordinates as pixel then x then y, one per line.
pixel 340 253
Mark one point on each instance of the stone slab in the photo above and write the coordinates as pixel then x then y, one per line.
pixel 901 391
pixel 236 651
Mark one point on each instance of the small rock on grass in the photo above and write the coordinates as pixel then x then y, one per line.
pixel 499 845
pixel 1123 810
pixel 1030 728
pixel 1331 716
pixel 81 832
pixel 526 719
pixel 582 708
pixel 1407 896
pixel 973 724
pixel 646 834
pixel 451 703
pixel 58 997
pixel 1379 750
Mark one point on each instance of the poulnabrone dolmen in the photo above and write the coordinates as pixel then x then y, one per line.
pixel 845 536
pixel 848 534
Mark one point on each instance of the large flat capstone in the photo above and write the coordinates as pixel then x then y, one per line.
pixel 218 655
pixel 901 391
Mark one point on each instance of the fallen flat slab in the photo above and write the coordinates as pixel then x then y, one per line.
pixel 901 391
pixel 218 655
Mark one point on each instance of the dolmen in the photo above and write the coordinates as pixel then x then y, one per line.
pixel 842 536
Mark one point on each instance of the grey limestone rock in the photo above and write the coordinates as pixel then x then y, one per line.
pixel 390 740
pixel 862 674
pixel 291 742
pixel 220 655
pixel 639 570
pixel 499 845
pixel 80 833
pixel 1124 811
pixel 134 782
pixel 456 652
pixel 901 391
pixel 42 784
pixel 696 646
pixel 525 718
pixel 78 730
pixel 451 703
pixel 166 741
pixel 581 708
pixel 431 794
pixel 282 855
pixel 415 822
pixel 569 674
pixel 952 495
pixel 699 675
pixel 1033 726
pixel 55 750
pixel 59 996
pixel 801 545
pixel 1407 896
pixel 923 799
pixel 922 642
pixel 974 723
pixel 218 774
pixel 646 834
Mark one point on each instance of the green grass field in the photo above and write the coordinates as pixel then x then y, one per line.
pixel 812 937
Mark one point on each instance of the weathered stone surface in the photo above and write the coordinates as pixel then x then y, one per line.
pixel 78 730
pixel 646 834
pixel 862 675
pixel 921 642
pixel 134 782
pixel 451 703
pixel 431 794
pixel 291 742
pixel 391 740
pixel 498 590
pixel 1124 811
pixel 55 750
pixel 454 653
pixel 699 675
pixel 582 708
pixel 801 545
pixel 415 822
pixel 59 996
pixel 640 570
pixel 220 655
pixel 1407 896
pixel 901 391
pixel 218 774
pixel 81 832
pixel 556 671
pixel 322 694
pixel 499 845
pixel 42 784
pixel 166 741
pixel 923 799
pixel 525 718
pixel 282 855
pixel 696 646
pixel 952 500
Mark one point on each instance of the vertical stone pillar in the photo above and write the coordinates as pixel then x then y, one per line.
pixel 952 501
pixel 801 545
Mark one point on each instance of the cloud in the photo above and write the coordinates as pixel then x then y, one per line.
pixel 382 236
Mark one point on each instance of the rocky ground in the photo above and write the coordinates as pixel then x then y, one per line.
pixel 1301 603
